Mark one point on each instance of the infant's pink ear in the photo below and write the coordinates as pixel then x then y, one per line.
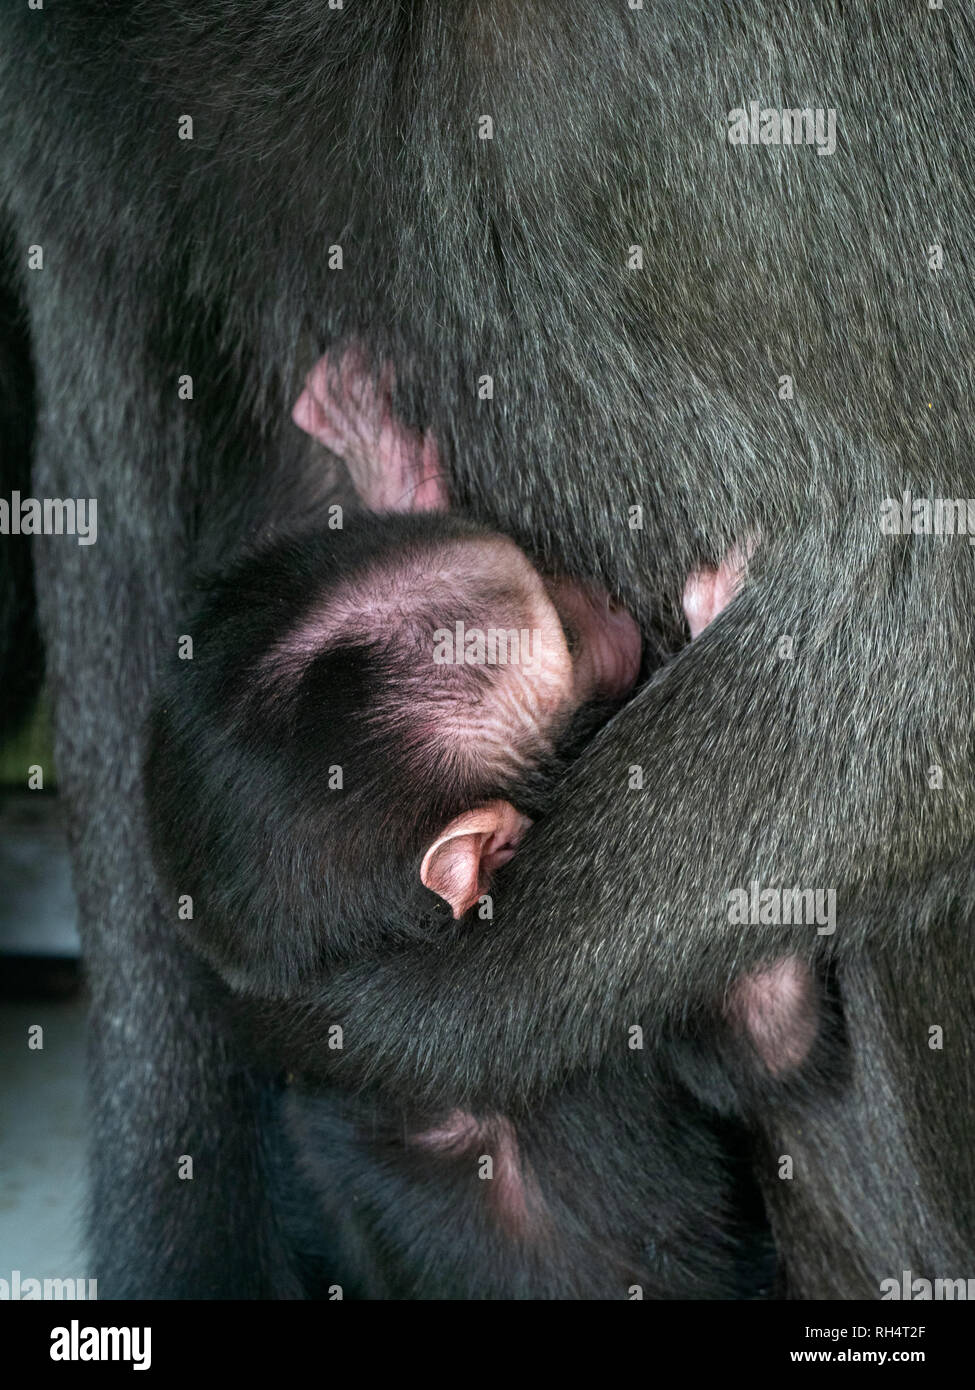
pixel 459 864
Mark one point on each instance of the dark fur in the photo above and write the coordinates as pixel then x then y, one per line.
pixel 884 1164
pixel 629 1181
pixel 612 388
pixel 635 1193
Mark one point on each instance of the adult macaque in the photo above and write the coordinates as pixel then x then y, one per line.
pixel 641 327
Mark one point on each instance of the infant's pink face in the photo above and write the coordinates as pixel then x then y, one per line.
pixel 396 468
pixel 604 640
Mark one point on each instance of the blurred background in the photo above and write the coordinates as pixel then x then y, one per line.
pixel 42 1099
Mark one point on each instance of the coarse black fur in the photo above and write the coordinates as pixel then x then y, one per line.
pixel 612 389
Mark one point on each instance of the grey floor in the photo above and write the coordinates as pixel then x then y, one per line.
pixel 37 912
pixel 42 1115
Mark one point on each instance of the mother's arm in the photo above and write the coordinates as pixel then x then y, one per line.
pixel 788 747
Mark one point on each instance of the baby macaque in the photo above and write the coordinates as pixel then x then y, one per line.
pixel 369 725
pixel 372 713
